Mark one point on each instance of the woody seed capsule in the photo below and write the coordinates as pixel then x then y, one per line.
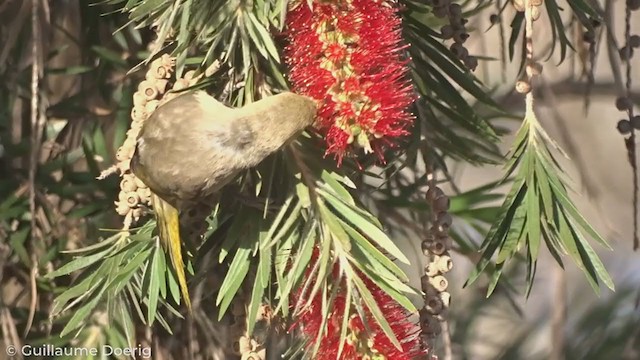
pixel 433 193
pixel 441 203
pixel 624 127
pixel 523 87
pixel 623 103
pixel 439 283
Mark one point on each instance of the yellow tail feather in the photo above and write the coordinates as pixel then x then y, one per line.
pixel 169 229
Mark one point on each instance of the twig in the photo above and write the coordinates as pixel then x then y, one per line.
pixel 559 314
pixel 36 133
pixel 503 41
pixel 631 143
pixel 446 341
pixel 528 36
pixel 611 43
pixel 9 331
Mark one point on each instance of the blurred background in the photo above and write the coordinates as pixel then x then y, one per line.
pixel 87 97
pixel 508 326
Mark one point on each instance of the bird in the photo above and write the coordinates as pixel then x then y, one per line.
pixel 193 145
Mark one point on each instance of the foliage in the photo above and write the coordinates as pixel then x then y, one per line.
pixel 101 286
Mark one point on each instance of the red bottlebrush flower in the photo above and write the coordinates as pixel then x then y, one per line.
pixel 348 54
pixel 361 342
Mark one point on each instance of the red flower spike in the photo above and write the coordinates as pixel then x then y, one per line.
pixel 362 342
pixel 348 54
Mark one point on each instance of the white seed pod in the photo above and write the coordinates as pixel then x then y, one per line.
pixel 138 113
pixel 439 283
pixel 518 5
pixel 139 99
pixel 122 196
pixel 158 61
pixel 136 126
pixel 124 166
pixel 157 71
pixel 145 195
pixel 139 182
pixel 244 344
pixel 132 199
pixel 431 269
pixel 168 61
pixel 189 75
pixel 168 96
pixel 161 85
pixel 152 106
pixel 523 87
pixel 535 13
pixel 122 208
pixel 443 263
pixel 122 154
pixel 445 296
pixel 180 84
pixel 129 145
pixel 128 183
pixel 426 287
pixel 148 89
pixel 254 344
pixel 132 133
pixel 251 355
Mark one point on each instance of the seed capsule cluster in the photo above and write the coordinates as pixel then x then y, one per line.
pixel 455 30
pixel 243 345
pixel 532 68
pixel 632 41
pixel 519 5
pixel 135 197
pixel 624 103
pixel 436 247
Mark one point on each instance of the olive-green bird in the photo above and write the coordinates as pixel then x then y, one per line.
pixel 193 145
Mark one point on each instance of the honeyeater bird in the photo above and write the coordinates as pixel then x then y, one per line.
pixel 193 145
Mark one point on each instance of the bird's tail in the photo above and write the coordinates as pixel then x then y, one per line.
pixel 169 229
